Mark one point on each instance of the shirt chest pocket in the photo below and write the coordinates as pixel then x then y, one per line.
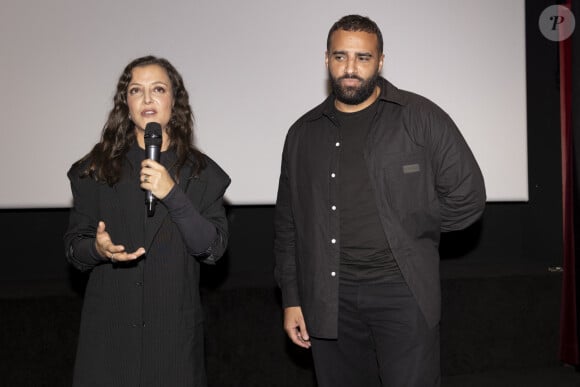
pixel 406 181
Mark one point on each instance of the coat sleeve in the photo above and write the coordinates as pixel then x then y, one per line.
pixel 458 178
pixel 205 229
pixel 79 239
pixel 285 237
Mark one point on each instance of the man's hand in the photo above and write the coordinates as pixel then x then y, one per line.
pixel 295 326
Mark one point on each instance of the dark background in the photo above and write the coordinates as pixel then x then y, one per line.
pixel 501 286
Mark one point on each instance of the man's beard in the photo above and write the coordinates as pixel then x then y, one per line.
pixel 353 95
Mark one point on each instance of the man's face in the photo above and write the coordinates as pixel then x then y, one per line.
pixel 353 62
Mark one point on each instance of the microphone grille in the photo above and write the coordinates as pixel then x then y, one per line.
pixel 153 130
pixel 153 134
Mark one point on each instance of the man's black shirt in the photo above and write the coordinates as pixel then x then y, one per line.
pixel 364 250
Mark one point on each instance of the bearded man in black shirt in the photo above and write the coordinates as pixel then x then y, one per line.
pixel 369 180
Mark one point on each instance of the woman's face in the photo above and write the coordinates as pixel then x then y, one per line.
pixel 149 97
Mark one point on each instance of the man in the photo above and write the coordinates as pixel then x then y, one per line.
pixel 369 179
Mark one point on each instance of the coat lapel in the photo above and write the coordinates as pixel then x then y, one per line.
pixel 133 212
pixel 153 223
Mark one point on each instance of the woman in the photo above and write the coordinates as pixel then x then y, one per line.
pixel 142 319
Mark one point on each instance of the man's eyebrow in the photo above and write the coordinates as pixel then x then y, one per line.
pixel 362 53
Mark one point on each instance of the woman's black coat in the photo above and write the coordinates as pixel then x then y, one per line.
pixel 142 321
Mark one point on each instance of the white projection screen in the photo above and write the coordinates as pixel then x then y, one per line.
pixel 252 68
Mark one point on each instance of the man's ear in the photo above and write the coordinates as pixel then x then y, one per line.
pixel 381 61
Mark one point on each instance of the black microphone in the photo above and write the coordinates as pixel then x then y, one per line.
pixel 153 141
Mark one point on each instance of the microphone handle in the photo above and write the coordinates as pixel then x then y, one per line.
pixel 150 202
pixel 152 152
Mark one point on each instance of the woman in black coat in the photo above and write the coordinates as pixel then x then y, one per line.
pixel 142 318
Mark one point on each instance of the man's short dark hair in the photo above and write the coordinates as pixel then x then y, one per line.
pixel 357 23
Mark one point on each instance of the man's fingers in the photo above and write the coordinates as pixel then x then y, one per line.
pixel 297 339
pixel 303 337
pixel 303 333
pixel 295 326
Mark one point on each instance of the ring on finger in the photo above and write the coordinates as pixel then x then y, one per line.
pixel 146 179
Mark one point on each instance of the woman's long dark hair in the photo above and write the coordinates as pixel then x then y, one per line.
pixel 105 160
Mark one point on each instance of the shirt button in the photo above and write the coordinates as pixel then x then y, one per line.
pixel 333 274
pixel 139 283
pixel 333 175
pixel 337 144
pixel 333 208
pixel 333 241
